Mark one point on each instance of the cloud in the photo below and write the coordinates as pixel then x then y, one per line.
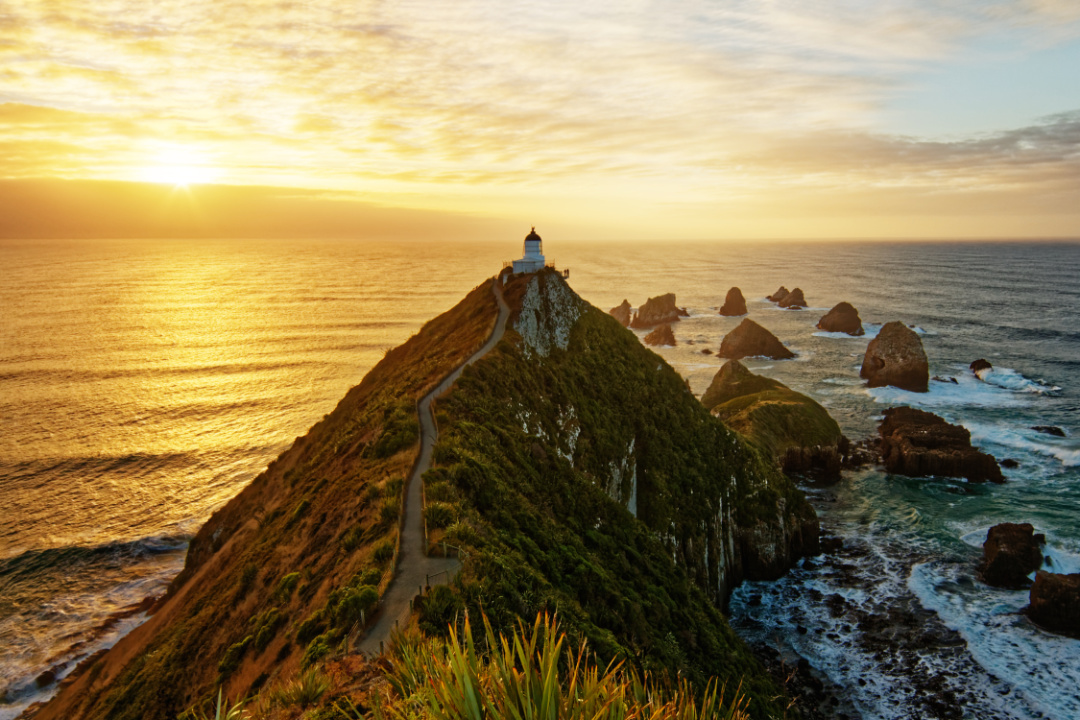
pixel 481 100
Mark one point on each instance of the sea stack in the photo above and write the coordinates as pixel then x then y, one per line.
pixel 794 300
pixel 1055 602
pixel 621 313
pixel 660 336
pixel 896 357
pixel 778 295
pixel 920 444
pixel 842 318
pixel 751 340
pixel 1011 552
pixel 657 311
pixel 734 303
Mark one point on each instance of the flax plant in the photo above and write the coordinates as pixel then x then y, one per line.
pixel 531 675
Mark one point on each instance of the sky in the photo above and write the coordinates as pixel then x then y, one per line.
pixel 683 119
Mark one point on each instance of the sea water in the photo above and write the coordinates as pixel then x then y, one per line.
pixel 144 383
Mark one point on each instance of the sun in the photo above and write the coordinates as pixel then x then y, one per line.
pixel 178 165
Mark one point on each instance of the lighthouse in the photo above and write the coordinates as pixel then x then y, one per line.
pixel 532 254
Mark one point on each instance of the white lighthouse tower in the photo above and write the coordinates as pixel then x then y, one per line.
pixel 533 254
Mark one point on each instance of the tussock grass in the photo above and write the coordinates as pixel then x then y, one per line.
pixel 533 674
pixel 303 691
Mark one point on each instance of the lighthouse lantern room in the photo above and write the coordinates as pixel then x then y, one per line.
pixel 533 255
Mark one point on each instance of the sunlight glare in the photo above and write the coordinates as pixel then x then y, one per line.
pixel 178 165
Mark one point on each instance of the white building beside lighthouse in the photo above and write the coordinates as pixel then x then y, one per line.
pixel 532 256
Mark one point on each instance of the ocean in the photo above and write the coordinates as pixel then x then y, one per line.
pixel 143 383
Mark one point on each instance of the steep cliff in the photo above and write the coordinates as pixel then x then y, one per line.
pixel 574 469
pixel 556 441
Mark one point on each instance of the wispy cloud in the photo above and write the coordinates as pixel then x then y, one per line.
pixel 496 102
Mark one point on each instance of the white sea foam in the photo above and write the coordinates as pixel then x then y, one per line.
pixel 1043 668
pixel 839 335
pixel 1010 379
pixel 967 391
pixel 1025 439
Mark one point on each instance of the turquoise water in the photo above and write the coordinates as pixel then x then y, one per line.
pixel 145 382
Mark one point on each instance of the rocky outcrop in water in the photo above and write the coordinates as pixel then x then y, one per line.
pixel 842 318
pixel 794 300
pixel 792 427
pixel 734 303
pixel 657 311
pixel 896 357
pixel 920 444
pixel 1055 602
pixel 1049 430
pixel 1011 552
pixel 751 340
pixel 621 313
pixel 777 296
pixel 660 336
pixel 980 367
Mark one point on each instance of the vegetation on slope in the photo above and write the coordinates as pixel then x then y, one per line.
pixel 767 412
pixel 543 458
pixel 288 570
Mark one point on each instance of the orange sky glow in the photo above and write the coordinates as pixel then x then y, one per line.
pixel 474 118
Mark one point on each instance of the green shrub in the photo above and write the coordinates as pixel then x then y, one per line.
pixel 231 659
pixel 390 511
pixel 316 650
pixel 303 691
pixel 247 580
pixel 286 586
pixel 355 604
pixel 392 487
pixel 400 431
pixel 439 492
pixel 367 576
pixel 266 625
pixel 462 533
pixel 439 515
pixel 352 539
pixel 384 551
pixel 438 610
pixel 313 626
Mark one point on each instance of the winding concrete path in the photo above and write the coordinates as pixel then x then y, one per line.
pixel 414 566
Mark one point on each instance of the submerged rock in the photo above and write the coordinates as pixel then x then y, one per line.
pixel 896 357
pixel 779 295
pixel 1011 552
pixel 1049 430
pixel 657 311
pixel 794 300
pixel 734 303
pixel 621 313
pixel 842 318
pixel 920 444
pixel 792 427
pixel 660 336
pixel 1055 602
pixel 751 340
